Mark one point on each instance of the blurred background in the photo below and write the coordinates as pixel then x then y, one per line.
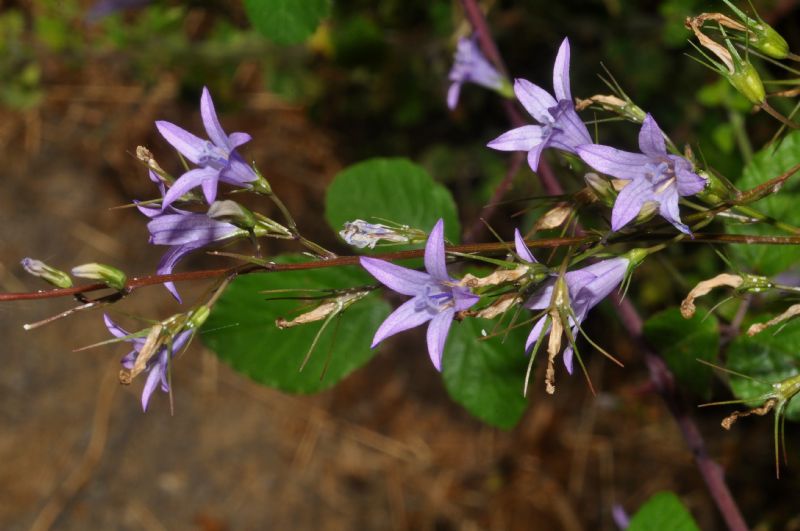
pixel 80 87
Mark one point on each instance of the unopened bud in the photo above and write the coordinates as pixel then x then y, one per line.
pixel 233 213
pixel 718 189
pixel 746 80
pixel 111 276
pixel 602 188
pixel 49 274
pixel 198 317
pixel 768 41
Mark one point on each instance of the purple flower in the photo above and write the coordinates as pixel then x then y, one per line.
pixel 560 128
pixel 184 232
pixel 587 287
pixel 470 66
pixel 435 296
pixel 217 158
pixel 655 176
pixel 158 365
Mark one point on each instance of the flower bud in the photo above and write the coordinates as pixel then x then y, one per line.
pixel 198 317
pixel 746 80
pixel 49 274
pixel 113 277
pixel 718 190
pixel 233 213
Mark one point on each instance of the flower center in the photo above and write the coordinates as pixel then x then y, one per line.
pixel 214 156
pixel 433 298
pixel 662 175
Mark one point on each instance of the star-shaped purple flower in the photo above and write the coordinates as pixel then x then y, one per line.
pixel 587 287
pixel 655 176
pixel 470 66
pixel 184 232
pixel 217 158
pixel 435 296
pixel 561 127
pixel 157 366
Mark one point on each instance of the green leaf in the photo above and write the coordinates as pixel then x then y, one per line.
pixel 393 189
pixel 663 511
pixel 486 375
pixel 681 342
pixel 241 329
pixel 766 164
pixel 769 357
pixel 286 21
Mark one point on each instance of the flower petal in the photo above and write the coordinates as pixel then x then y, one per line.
pixel 522 138
pixel 689 183
pixel 114 328
pixel 237 172
pixel 170 259
pixel 211 122
pixel 405 317
pixel 463 298
pixel 452 95
pixel 397 278
pixel 615 162
pixel 435 262
pixel 541 299
pixel 669 210
pixel 651 139
pixel 535 154
pixel 186 182
pixel 561 73
pixel 521 248
pixel 237 139
pixel 536 331
pixel 437 336
pixel 153 377
pixel 569 130
pixel 568 355
pixel 536 100
pixel 629 202
pixel 178 229
pixel 190 146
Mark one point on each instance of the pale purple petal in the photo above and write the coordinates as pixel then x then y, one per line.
pixel 170 259
pixel 669 210
pixel 535 154
pixel 237 139
pixel 536 331
pixel 629 202
pixel 186 182
pixel 541 299
pixel 651 139
pixel 522 138
pixel 568 356
pixel 179 229
pixel 521 248
pixel 561 73
pixel 434 253
pixel 397 278
pixel 437 336
pixel 150 385
pixel 211 122
pixel 615 162
pixel 688 182
pixel 405 317
pixel 570 131
pixel 452 95
pixel 536 100
pixel 210 189
pixel 463 298
pixel 189 145
pixel 237 172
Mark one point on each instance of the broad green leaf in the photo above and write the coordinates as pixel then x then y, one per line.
pixel 242 331
pixel 486 375
pixel 662 512
pixel 286 21
pixel 769 357
pixel 682 342
pixel 392 189
pixel 768 163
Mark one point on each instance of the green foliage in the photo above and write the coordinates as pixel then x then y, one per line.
pixel 486 375
pixel 242 331
pixel 769 357
pixel 286 21
pixel 766 164
pixel 661 512
pixel 682 342
pixel 390 189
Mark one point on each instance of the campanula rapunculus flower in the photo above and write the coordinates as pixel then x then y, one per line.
pixel 217 158
pixel 587 287
pixel 157 365
pixel 654 175
pixel 435 296
pixel 184 232
pixel 470 66
pixel 561 127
